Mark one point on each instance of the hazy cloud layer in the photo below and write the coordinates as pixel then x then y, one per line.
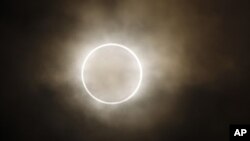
pixel 194 56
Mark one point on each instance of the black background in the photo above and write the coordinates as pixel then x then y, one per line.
pixel 31 109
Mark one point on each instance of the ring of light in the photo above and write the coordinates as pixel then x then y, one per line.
pixel 140 70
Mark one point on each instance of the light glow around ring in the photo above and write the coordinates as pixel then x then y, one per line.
pixel 122 47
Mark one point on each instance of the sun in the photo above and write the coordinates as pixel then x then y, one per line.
pixel 138 84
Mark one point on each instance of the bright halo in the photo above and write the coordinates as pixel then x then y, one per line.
pixel 138 63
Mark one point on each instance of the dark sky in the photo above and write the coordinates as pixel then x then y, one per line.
pixel 198 69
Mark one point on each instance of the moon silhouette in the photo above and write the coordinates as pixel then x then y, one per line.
pixel 138 84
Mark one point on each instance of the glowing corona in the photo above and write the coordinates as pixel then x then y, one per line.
pixel 122 47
